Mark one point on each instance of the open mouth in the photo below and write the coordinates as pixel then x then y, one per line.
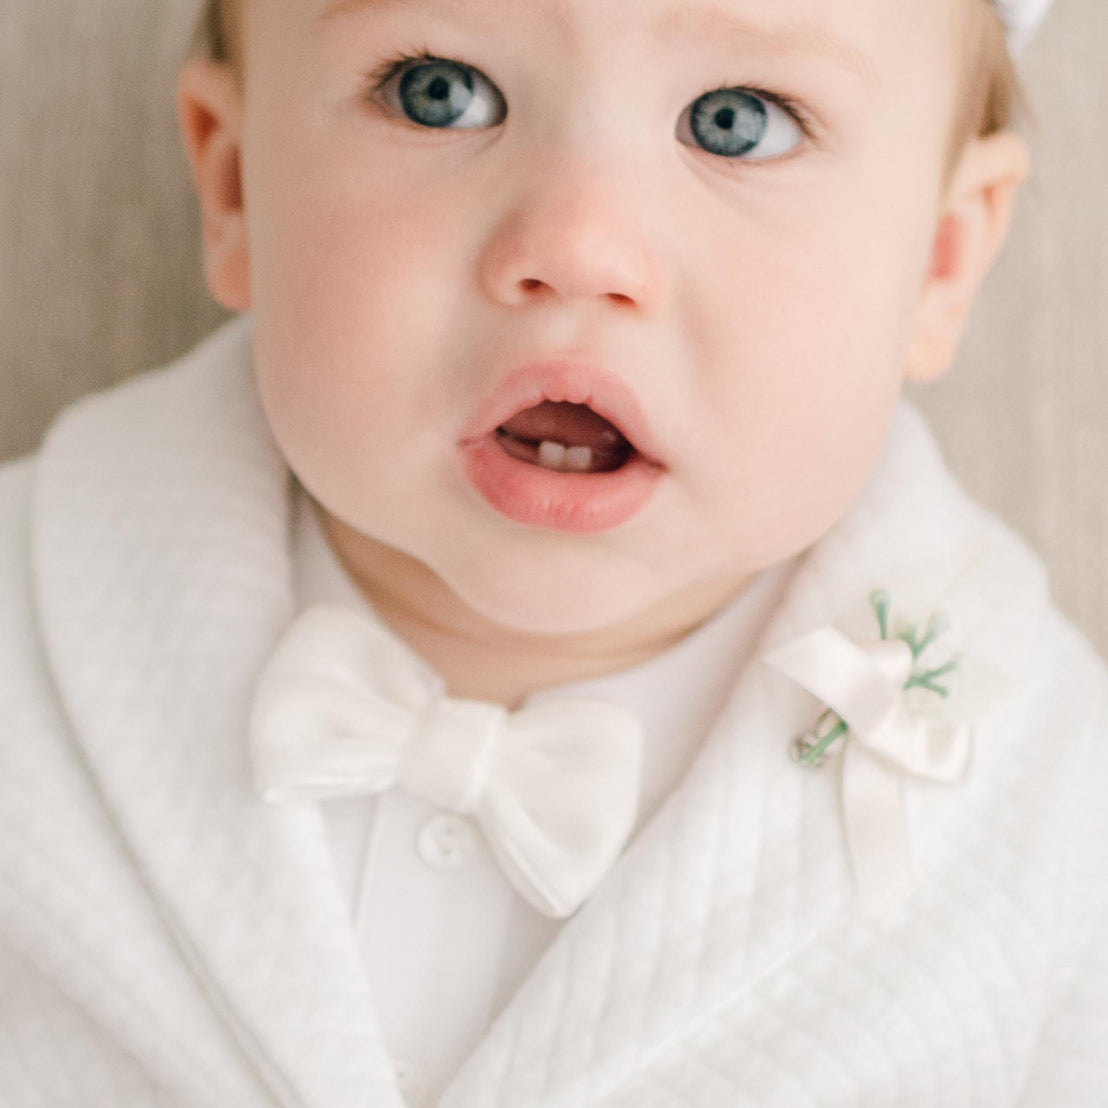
pixel 565 438
pixel 563 447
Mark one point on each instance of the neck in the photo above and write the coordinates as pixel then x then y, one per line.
pixel 482 660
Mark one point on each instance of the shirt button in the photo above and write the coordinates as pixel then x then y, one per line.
pixel 446 841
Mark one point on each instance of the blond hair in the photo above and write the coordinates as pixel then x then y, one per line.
pixel 214 37
pixel 990 98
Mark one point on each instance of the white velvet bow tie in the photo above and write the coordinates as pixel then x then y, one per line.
pixel 344 708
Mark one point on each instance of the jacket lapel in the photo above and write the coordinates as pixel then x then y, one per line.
pixel 160 553
pixel 744 869
pixel 160 541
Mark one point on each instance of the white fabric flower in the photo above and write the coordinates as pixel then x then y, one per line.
pixel 899 707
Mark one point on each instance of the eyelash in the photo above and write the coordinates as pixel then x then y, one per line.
pixel 394 66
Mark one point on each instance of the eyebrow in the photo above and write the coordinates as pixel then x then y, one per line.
pixel 717 24
pixel 346 7
pixel 691 21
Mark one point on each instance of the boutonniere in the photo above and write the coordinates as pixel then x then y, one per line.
pixel 889 698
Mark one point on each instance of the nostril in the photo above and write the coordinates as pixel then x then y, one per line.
pixel 533 284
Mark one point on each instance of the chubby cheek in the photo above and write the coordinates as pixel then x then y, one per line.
pixel 351 291
pixel 806 339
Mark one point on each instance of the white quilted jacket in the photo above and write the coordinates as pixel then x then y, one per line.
pixel 166 939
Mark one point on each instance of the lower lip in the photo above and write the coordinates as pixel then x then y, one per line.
pixel 575 503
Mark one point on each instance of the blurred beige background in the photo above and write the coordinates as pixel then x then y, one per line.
pixel 100 273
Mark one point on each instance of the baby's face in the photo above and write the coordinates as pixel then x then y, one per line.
pixel 552 199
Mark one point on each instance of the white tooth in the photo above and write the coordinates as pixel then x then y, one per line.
pixel 552 455
pixel 579 458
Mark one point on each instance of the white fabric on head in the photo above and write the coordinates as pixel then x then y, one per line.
pixel 1022 18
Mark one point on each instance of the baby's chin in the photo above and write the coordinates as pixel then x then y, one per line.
pixel 479 587
pixel 551 604
pixel 607 606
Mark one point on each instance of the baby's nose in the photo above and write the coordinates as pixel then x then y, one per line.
pixel 573 237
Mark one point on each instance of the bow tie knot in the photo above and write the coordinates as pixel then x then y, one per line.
pixel 449 757
pixel 343 708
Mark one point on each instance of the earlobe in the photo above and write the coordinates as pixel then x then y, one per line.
pixel 209 113
pixel 973 223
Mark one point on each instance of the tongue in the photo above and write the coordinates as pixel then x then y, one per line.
pixel 570 424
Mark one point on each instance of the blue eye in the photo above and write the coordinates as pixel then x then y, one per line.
pixel 738 123
pixel 441 93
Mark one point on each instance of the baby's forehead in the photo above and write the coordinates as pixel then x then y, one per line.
pixel 625 19
pixel 629 11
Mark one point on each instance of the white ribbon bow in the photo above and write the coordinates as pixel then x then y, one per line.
pixel 342 709
pixel 863 682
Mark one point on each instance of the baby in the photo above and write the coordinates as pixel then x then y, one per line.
pixel 533 658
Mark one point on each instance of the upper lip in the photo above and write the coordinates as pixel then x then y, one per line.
pixel 569 381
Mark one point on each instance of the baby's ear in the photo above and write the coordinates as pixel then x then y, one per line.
pixel 209 110
pixel 973 223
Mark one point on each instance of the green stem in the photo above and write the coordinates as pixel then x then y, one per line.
pixel 927 680
pixel 879 601
pixel 810 757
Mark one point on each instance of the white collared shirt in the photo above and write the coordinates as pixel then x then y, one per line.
pixel 445 939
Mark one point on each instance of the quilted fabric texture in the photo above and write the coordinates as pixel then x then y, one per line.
pixel 166 937
pixel 39 1026
pixel 261 881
